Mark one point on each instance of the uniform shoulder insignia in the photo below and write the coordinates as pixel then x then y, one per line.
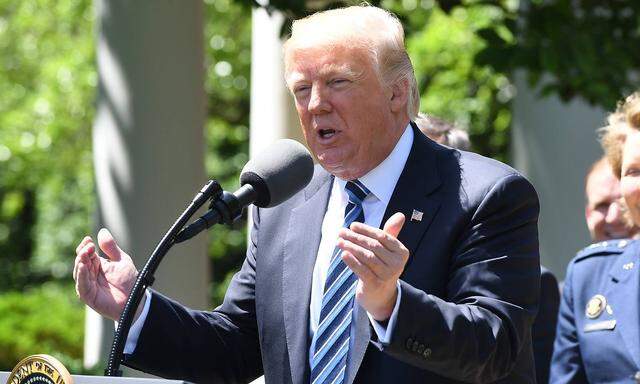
pixel 604 248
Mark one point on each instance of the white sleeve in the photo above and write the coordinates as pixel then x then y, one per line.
pixel 136 327
pixel 384 332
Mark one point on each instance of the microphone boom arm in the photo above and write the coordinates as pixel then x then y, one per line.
pixel 225 209
pixel 145 279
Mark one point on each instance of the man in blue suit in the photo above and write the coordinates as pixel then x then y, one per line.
pixel 402 259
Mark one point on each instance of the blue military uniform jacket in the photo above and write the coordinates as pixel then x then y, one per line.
pixel 598 338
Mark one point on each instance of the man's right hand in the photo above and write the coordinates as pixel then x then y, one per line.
pixel 104 283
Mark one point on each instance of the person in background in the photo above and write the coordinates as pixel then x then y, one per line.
pixel 598 335
pixel 603 211
pixel 543 331
pixel 443 132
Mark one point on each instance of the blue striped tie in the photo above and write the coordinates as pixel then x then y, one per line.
pixel 331 339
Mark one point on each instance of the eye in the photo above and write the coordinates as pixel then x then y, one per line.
pixel 338 81
pixel 632 171
pixel 602 207
pixel 301 90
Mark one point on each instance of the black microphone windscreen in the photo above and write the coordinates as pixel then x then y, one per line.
pixel 278 172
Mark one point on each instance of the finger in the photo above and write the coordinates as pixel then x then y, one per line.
pixel 367 242
pixel 362 271
pixel 75 268
pixel 393 226
pixel 108 245
pixel 365 257
pixel 84 256
pixel 83 283
pixel 84 242
pixel 386 239
pixel 87 253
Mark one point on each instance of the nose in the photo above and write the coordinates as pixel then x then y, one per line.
pixel 614 213
pixel 318 101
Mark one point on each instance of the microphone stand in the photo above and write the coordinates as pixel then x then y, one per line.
pixel 145 279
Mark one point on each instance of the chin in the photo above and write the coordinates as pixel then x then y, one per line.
pixel 339 170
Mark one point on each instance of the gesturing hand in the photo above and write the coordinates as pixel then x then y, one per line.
pixel 378 258
pixel 104 283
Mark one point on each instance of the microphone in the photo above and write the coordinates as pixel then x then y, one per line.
pixel 267 180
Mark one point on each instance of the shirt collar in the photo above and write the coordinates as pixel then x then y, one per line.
pixel 381 180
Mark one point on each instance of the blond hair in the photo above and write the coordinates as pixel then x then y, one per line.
pixel 375 30
pixel 619 124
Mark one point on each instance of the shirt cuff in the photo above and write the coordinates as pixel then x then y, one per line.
pixel 136 327
pixel 384 331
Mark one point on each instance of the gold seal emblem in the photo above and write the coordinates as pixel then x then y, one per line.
pixel 595 306
pixel 40 369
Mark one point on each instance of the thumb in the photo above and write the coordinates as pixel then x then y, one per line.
pixel 394 224
pixel 108 245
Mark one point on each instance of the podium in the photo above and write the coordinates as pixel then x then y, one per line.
pixel 80 379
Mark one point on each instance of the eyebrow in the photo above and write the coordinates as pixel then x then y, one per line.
pixel 326 71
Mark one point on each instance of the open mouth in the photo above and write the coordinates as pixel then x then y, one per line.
pixel 327 133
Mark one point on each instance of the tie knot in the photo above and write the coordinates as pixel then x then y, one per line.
pixel 357 191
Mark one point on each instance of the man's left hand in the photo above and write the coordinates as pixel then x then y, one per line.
pixel 378 258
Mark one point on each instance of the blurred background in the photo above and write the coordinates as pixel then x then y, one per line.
pixel 114 113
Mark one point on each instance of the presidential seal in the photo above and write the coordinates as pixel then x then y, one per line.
pixel 40 369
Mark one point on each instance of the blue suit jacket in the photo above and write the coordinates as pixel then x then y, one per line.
pixel 544 327
pixel 469 290
pixel 603 347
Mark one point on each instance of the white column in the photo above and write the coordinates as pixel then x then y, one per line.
pixel 554 143
pixel 148 141
pixel 273 114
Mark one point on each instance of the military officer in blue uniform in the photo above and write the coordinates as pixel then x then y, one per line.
pixel 598 334
pixel 598 338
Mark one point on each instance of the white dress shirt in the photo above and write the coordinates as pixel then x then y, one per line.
pixel 381 181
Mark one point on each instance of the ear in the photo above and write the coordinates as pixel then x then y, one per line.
pixel 399 95
pixel 587 212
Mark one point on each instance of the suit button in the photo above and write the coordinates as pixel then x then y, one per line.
pixel 409 343
pixel 415 346
pixel 427 353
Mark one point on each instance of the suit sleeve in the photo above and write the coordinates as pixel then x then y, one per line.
pixel 566 363
pixel 476 332
pixel 219 346
pixel 544 327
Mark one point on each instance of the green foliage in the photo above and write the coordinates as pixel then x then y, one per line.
pixel 443 48
pixel 48 82
pixel 228 63
pixel 38 320
pixel 571 48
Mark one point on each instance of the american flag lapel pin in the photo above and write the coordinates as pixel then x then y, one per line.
pixel 416 215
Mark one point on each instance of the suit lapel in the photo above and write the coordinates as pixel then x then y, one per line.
pixel 624 295
pixel 361 336
pixel 300 251
pixel 417 181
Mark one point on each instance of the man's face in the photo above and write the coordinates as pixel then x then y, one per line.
pixel 604 216
pixel 346 113
pixel 630 178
